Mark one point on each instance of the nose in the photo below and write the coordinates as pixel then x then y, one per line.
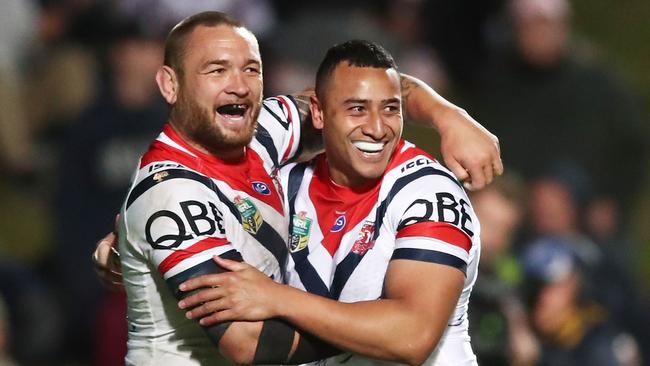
pixel 374 126
pixel 237 84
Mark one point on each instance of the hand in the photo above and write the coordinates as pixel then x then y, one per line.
pixel 469 150
pixel 244 293
pixel 106 261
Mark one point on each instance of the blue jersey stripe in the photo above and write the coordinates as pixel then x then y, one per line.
pixel 431 256
pixel 207 267
pixel 281 121
pixel 306 271
pixel 264 138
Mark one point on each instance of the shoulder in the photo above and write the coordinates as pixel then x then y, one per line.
pixel 413 173
pixel 282 109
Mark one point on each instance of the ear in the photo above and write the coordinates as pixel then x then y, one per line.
pixel 316 112
pixel 167 81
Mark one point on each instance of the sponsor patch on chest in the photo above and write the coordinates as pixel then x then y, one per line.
pixel 251 218
pixel 299 238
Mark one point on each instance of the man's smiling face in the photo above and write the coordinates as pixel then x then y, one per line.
pixel 220 88
pixel 361 122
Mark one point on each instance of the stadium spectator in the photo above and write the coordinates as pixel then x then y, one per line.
pixel 499 329
pixel 573 329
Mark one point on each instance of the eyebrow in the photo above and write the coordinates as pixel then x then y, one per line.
pixel 221 62
pixel 364 101
pixel 355 101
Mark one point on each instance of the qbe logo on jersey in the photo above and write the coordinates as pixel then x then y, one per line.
pixel 251 219
pixel 300 225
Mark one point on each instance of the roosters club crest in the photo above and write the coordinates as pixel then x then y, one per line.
pixel 365 239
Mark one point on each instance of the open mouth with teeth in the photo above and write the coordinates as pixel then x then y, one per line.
pixel 369 148
pixel 233 111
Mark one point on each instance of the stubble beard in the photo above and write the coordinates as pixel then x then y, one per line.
pixel 199 125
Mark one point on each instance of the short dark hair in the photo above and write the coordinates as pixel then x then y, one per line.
pixel 177 38
pixel 356 53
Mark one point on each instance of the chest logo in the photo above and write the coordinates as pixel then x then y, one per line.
pixel 339 224
pixel 365 239
pixel 299 238
pixel 251 219
pixel 261 188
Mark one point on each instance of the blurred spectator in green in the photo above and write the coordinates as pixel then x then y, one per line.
pixel 500 331
pixel 572 328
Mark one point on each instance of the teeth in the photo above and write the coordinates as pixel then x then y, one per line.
pixel 232 109
pixel 369 147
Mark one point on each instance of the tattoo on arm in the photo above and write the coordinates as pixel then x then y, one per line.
pixel 407 86
pixel 302 100
pixel 311 141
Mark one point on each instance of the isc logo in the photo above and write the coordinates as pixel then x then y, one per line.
pixel 416 162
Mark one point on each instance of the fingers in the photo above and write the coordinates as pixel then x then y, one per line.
pixel 203 296
pixel 206 309
pixel 218 317
pixel 106 262
pixel 488 173
pixel 230 264
pixel 457 169
pixel 110 279
pixel 209 280
pixel 497 165
pixel 477 177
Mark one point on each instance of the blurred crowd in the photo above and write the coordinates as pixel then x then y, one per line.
pixel 559 280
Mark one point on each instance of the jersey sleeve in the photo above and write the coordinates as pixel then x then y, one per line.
pixel 434 221
pixel 279 128
pixel 173 218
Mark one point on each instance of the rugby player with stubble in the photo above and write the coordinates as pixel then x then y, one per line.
pixel 204 188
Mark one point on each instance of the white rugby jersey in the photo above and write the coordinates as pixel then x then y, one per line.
pixel 341 240
pixel 185 206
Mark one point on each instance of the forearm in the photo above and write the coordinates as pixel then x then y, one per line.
pixel 424 106
pixel 311 139
pixel 385 329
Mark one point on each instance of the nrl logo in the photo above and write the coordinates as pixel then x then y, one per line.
pixel 299 238
pixel 365 239
pixel 251 219
pixel 158 177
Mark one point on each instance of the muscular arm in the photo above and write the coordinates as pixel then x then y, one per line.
pixel 469 150
pixel 405 326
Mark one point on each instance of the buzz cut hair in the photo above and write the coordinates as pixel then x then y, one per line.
pixel 356 52
pixel 176 42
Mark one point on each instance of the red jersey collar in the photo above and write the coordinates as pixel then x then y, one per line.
pixel 169 130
